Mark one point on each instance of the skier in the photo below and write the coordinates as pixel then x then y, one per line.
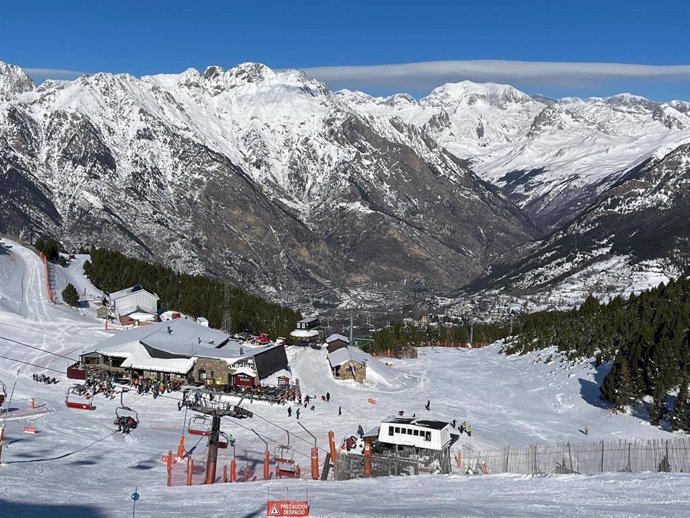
pixel 428 405
pixel 452 425
pixel 360 431
pixel 468 429
pixel 289 412
pixel 328 396
pixel 401 413
pixel 586 430
pixel 340 410
pixel 462 427
pixel 297 413
pixel 313 407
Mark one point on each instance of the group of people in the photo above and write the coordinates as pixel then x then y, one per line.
pixel 42 378
pixel 99 385
pixel 125 424
pixel 308 402
pixel 154 387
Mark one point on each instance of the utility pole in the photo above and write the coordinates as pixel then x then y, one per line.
pixel 471 333
pixel 351 337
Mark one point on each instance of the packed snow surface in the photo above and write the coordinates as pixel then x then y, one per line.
pixel 77 466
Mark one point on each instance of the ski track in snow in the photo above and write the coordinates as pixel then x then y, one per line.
pixel 75 466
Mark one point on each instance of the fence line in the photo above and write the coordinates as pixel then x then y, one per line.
pixel 585 457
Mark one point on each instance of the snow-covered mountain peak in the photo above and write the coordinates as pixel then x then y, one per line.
pixel 469 93
pixel 13 81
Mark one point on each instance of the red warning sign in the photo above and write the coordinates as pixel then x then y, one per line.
pixel 287 508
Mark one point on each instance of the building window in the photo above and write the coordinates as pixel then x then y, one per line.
pixel 397 429
pixel 202 374
pixel 409 431
pixel 428 436
pixel 390 430
pixel 416 432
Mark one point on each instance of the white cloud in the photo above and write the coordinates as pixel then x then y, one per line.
pixel 538 73
pixel 53 73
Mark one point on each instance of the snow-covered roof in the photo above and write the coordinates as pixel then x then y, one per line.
pixel 128 310
pixel 137 357
pixel 340 356
pixel 304 333
pixel 128 291
pixel 142 315
pixel 244 370
pixel 173 346
pixel 336 336
pixel 177 336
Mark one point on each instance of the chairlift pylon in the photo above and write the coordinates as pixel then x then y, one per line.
pixel 71 398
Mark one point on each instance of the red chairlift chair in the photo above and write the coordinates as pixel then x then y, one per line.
pixel 72 402
pixel 199 425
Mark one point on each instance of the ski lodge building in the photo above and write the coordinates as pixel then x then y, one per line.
pixel 337 341
pixel 307 330
pixel 348 363
pixel 183 350
pixel 134 305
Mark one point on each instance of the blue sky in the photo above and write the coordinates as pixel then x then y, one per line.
pixel 145 37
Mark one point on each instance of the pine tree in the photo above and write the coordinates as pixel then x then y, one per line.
pixel 616 388
pixel 70 295
pixel 679 417
pixel 657 407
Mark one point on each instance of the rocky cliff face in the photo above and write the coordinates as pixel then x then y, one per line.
pixel 550 157
pixel 267 178
pixel 634 236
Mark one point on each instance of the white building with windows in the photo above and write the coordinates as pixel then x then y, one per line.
pixel 409 432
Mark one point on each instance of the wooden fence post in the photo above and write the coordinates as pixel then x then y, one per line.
pixel 168 465
pixel 367 459
pixel 190 470
pixel 315 464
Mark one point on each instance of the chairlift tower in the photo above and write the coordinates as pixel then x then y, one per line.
pixel 215 410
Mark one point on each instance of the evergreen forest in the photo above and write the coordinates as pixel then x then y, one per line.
pixel 644 336
pixel 194 295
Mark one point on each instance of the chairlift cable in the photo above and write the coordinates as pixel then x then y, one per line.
pixel 37 348
pixel 32 364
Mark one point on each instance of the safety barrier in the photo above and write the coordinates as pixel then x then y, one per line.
pixel 587 458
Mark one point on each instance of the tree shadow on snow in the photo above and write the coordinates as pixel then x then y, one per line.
pixel 589 390
pixel 31 510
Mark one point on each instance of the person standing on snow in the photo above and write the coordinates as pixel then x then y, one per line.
pixel 340 410
pixel 428 405
pixel 328 396
pixel 297 413
pixel 289 412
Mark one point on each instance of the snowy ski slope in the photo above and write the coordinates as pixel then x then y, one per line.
pixel 77 467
